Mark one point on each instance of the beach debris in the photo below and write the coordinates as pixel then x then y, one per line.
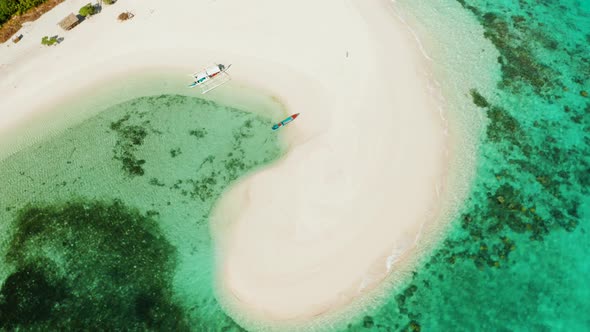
pixel 210 78
pixel 124 16
pixel 285 122
pixel 368 322
pixel 17 39
pixel 584 93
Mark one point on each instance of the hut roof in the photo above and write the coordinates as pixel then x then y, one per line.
pixel 69 22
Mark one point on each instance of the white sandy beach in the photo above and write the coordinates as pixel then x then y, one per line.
pixel 367 154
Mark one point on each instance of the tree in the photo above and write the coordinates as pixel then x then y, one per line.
pixel 49 41
pixel 9 8
pixel 87 10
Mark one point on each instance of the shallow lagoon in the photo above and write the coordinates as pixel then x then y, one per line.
pixel 110 215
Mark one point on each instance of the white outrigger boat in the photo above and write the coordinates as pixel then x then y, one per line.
pixel 211 78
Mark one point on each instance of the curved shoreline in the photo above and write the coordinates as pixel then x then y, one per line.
pixel 249 227
pixel 340 76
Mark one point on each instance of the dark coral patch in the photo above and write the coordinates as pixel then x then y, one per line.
pixel 478 99
pixel 130 137
pixel 29 296
pixel 78 264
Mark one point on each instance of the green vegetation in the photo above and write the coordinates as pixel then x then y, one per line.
pixel 125 16
pixel 9 8
pixel 87 10
pixel 49 41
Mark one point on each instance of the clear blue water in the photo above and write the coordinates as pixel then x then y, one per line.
pixel 515 259
pixel 106 223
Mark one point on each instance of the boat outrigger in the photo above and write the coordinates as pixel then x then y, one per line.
pixel 211 78
pixel 285 122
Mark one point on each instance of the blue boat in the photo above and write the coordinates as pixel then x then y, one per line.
pixel 285 122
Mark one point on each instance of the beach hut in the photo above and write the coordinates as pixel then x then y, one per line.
pixel 69 22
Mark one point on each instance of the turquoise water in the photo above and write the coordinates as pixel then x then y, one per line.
pixel 105 224
pixel 515 258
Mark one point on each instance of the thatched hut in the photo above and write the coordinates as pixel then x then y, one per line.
pixel 69 22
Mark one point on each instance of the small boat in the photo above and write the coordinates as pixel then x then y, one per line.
pixel 210 78
pixel 285 122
